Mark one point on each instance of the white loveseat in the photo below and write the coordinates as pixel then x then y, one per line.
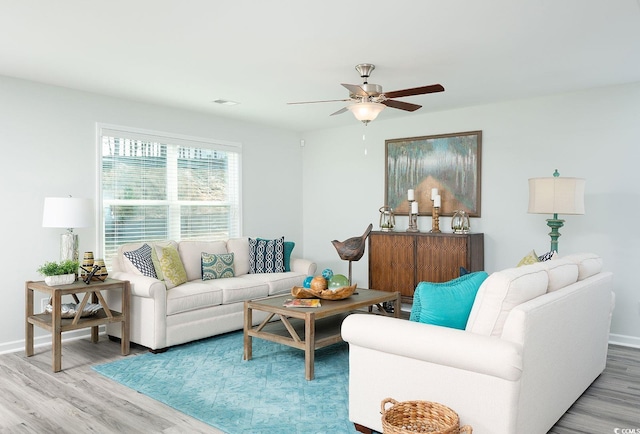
pixel 535 339
pixel 163 315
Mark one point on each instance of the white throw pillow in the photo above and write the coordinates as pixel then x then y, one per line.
pixel 500 293
pixel 240 249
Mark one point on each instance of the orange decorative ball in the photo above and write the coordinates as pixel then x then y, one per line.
pixel 318 283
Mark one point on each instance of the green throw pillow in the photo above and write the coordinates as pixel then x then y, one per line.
pixel 446 304
pixel 172 268
pixel 217 266
pixel 530 258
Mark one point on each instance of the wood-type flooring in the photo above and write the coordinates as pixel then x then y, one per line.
pixel 33 399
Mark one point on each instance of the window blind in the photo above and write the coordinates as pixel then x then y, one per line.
pixel 155 186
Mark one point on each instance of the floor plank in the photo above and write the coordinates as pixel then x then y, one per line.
pixel 77 399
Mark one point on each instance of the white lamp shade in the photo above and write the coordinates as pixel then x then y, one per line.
pixel 366 111
pixel 556 195
pixel 67 212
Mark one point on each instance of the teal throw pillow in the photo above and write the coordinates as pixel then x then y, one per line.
pixel 217 266
pixel 446 304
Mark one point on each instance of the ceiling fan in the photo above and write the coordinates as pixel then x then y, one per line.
pixel 368 100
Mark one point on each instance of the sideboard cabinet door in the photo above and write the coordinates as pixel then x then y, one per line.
pixel 399 261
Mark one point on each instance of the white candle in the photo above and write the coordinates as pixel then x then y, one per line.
pixel 410 195
pixel 434 193
pixel 414 207
pixel 436 201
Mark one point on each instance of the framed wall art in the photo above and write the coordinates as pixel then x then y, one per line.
pixel 449 162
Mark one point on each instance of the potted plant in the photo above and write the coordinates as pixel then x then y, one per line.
pixel 59 273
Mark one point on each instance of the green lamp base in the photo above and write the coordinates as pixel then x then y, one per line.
pixel 555 224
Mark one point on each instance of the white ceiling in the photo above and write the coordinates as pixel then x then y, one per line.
pixel 263 54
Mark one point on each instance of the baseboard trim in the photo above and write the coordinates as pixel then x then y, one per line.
pixel 41 341
pixel 624 340
pixel 45 340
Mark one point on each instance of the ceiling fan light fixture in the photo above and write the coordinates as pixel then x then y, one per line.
pixel 366 111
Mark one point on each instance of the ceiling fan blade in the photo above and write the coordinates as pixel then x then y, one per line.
pixel 315 102
pixel 355 89
pixel 415 91
pixel 342 110
pixel 401 105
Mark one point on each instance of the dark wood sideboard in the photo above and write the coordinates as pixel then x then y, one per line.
pixel 398 261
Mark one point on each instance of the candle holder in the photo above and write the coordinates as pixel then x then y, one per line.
pixel 435 220
pixel 413 219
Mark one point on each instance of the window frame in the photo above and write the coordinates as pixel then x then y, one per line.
pixel 167 138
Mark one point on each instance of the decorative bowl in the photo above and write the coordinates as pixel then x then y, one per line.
pixel 326 294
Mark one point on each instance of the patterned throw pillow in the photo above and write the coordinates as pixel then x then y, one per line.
pixel 141 259
pixel 217 266
pixel 266 256
pixel 547 256
pixel 288 248
pixel 172 268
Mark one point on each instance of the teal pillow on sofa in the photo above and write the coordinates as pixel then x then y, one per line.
pixel 446 304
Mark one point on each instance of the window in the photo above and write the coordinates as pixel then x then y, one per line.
pixel 156 186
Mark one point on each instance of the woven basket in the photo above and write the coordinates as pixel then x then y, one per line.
pixel 412 417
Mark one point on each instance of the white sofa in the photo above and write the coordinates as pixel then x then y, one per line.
pixel 536 338
pixel 163 316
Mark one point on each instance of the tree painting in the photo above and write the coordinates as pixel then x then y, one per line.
pixel 448 162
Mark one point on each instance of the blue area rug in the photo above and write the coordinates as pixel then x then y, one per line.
pixel 209 381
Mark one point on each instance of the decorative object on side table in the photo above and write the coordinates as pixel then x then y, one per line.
pixel 555 196
pixel 387 219
pixel 59 273
pixel 352 248
pixel 67 212
pixel 460 222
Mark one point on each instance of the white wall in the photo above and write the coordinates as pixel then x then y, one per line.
pixel 48 143
pixel 593 134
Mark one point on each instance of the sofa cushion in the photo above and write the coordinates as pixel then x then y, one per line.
pixel 141 261
pixel 266 256
pixel 217 266
pixel 446 304
pixel 279 283
pixel 172 269
pixel 191 255
pixel 192 296
pixel 588 264
pixel 501 292
pixel 240 289
pixel 240 249
pixel 562 272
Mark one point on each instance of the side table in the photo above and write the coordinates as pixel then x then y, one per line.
pixel 55 324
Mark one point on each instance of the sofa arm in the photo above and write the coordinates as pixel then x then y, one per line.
pixel 439 345
pixel 303 266
pixel 142 286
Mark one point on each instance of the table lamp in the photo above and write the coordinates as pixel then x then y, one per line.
pixel 555 195
pixel 67 212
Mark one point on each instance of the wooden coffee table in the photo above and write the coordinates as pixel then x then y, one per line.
pixel 310 328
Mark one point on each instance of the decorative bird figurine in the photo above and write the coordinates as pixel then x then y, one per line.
pixel 352 248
